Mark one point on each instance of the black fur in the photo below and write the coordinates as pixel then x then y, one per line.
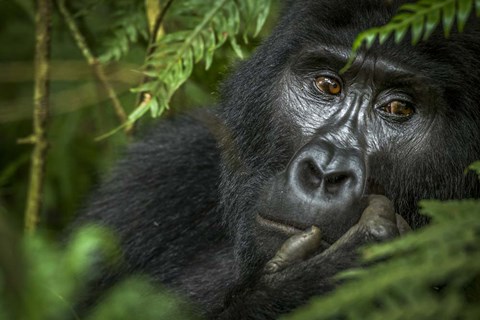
pixel 184 199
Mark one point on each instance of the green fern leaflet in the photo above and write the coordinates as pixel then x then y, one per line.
pixel 208 26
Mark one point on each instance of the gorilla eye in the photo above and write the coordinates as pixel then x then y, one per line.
pixel 399 108
pixel 328 85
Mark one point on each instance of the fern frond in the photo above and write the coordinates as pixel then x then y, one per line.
pixel 421 18
pixel 207 26
pixel 130 25
pixel 475 167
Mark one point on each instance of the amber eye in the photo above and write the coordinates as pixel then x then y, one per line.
pixel 399 108
pixel 328 85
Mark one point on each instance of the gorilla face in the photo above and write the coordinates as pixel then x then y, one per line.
pixel 310 149
pixel 355 128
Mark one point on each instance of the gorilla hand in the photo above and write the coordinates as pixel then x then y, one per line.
pixel 296 248
pixel 299 270
pixel 377 223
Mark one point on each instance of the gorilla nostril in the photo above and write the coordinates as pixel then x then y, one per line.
pixel 335 181
pixel 312 176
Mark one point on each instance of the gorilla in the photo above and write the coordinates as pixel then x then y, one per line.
pixel 250 207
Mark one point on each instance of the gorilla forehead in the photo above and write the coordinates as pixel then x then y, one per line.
pixel 308 24
pixel 342 14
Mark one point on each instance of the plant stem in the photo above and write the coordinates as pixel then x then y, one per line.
pixel 40 114
pixel 154 36
pixel 95 64
pixel 158 25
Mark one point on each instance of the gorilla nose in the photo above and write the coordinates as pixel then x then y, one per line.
pixel 323 171
pixel 313 178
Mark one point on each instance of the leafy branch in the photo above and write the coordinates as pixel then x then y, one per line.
pixel 157 13
pixel 130 25
pixel 421 18
pixel 42 280
pixel 207 27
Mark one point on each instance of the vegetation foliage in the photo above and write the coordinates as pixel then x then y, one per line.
pixel 50 281
pixel 204 29
pixel 422 18
pixel 130 26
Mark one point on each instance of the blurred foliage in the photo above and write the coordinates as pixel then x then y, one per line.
pixel 475 167
pixel 421 18
pixel 41 281
pixel 117 32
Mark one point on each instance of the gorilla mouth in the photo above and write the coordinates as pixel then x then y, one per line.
pixel 278 226
pixel 287 229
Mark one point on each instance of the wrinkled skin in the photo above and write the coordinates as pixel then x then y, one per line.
pixel 248 209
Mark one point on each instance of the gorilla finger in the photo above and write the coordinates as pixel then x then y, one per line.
pixel 296 248
pixel 354 237
pixel 379 206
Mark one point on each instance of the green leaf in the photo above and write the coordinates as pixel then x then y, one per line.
pixel 262 16
pixel 209 50
pixel 448 17
pixel 369 40
pixel 85 248
pixel 464 9
pixel 400 32
pixel 384 34
pixel 236 47
pixel 475 167
pixel 355 47
pixel 422 17
pixel 154 109
pixel 130 25
pixel 198 48
pixel 433 18
pixel 417 29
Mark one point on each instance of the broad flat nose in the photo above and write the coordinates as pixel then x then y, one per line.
pixel 322 171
